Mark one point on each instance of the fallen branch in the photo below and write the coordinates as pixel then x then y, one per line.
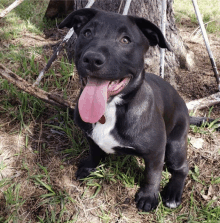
pixel 54 56
pixel 35 91
pixel 163 29
pixel 205 37
pixel 127 6
pixel 198 30
pixel 119 9
pixel 204 102
pixel 61 102
pixel 10 7
pixel 90 3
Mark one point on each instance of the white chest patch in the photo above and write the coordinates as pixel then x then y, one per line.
pixel 101 132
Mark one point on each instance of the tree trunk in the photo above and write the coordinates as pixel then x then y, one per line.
pixel 181 57
pixel 59 8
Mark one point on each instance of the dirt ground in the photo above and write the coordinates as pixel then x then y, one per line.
pixel 200 81
pixel 115 200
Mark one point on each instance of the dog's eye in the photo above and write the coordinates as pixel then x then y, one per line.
pixel 125 40
pixel 87 33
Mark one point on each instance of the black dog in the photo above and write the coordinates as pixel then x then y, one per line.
pixel 124 110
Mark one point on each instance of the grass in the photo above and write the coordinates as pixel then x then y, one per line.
pixel 209 9
pixel 25 17
pixel 126 169
pixel 40 146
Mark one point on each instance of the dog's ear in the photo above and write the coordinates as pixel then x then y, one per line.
pixel 78 19
pixel 152 32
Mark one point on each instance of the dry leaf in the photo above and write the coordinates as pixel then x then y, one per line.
pixel 197 142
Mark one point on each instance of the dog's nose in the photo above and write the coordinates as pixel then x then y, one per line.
pixel 93 61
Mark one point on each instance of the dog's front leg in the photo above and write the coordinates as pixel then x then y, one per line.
pixel 147 196
pixel 89 164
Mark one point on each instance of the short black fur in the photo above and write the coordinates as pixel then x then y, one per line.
pixel 151 119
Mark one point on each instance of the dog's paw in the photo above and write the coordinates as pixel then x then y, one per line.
pixel 83 172
pixel 171 196
pixel 146 201
pixel 84 169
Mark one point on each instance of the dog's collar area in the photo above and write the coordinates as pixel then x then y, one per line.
pixel 102 120
pixel 114 88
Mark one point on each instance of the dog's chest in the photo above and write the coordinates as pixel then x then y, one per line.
pixel 101 133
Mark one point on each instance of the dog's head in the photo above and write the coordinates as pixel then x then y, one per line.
pixel 109 54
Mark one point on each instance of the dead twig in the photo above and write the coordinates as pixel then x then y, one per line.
pixel 119 9
pixel 61 102
pixel 127 6
pixel 10 7
pixel 35 91
pixel 54 56
pixel 205 37
pixel 90 3
pixel 198 30
pixel 163 29
pixel 204 102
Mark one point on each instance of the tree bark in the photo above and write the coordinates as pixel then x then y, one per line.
pixel 59 8
pixel 181 57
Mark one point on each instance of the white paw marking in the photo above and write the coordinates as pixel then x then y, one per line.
pixel 172 204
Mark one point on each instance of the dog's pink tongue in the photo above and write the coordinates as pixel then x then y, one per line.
pixel 93 100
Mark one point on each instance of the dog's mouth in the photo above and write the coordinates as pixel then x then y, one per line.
pixel 96 93
pixel 114 87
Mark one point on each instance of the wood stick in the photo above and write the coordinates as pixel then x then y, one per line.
pixel 54 56
pixel 119 9
pixel 198 29
pixel 61 102
pixel 35 91
pixel 10 7
pixel 204 102
pixel 127 6
pixel 205 37
pixel 90 3
pixel 163 29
